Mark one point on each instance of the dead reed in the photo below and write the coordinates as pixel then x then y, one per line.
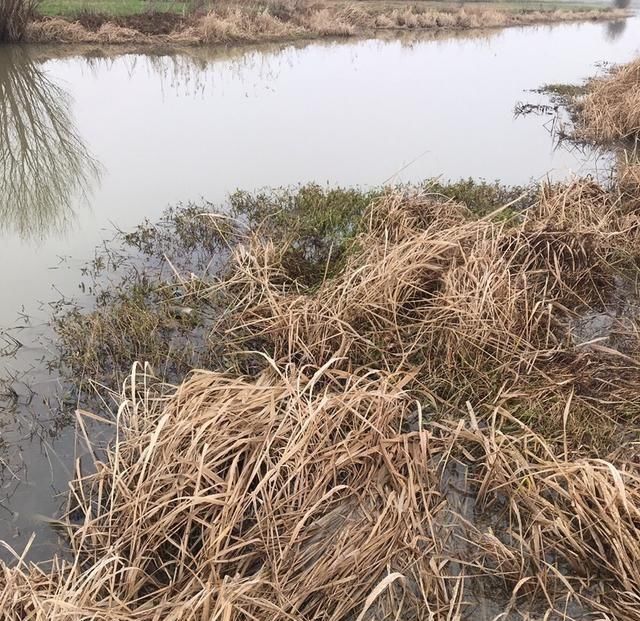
pixel 609 114
pixel 320 494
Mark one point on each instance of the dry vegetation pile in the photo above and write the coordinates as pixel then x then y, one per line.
pixel 290 19
pixel 317 494
pixel 419 404
pixel 610 111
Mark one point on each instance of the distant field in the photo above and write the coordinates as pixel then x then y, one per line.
pixel 111 7
pixel 133 7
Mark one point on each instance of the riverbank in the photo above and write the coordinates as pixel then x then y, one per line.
pixel 289 20
pixel 418 402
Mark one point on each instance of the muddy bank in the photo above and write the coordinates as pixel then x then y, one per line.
pixel 285 21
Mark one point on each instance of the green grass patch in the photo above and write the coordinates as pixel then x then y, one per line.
pixel 483 197
pixel 317 224
pixel 116 8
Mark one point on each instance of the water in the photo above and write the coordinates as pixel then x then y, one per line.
pixel 98 140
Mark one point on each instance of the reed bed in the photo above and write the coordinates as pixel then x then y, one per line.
pixel 281 21
pixel 610 112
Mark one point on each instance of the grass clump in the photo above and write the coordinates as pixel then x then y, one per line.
pixel 144 320
pixel 315 494
pixel 609 113
pixel 483 197
pixel 144 307
pixel 14 17
pixel 470 286
pixel 603 110
pixel 475 305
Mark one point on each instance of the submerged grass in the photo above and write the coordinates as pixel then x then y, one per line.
pixel 151 306
pixel 422 404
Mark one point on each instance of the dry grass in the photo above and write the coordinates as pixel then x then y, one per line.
pixel 629 180
pixel 286 20
pixel 317 494
pixel 610 112
pixel 482 308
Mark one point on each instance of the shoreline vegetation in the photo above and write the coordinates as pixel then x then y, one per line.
pixel 413 403
pixel 281 21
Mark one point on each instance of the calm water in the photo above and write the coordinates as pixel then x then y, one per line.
pixel 89 143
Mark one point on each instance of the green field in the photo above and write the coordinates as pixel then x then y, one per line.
pixel 111 7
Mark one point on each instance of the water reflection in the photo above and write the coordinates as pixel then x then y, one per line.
pixel 191 71
pixel 44 165
pixel 615 29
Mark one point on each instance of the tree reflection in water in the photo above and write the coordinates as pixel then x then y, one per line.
pixel 44 165
pixel 615 29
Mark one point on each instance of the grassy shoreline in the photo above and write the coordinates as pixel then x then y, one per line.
pixel 287 20
pixel 398 386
